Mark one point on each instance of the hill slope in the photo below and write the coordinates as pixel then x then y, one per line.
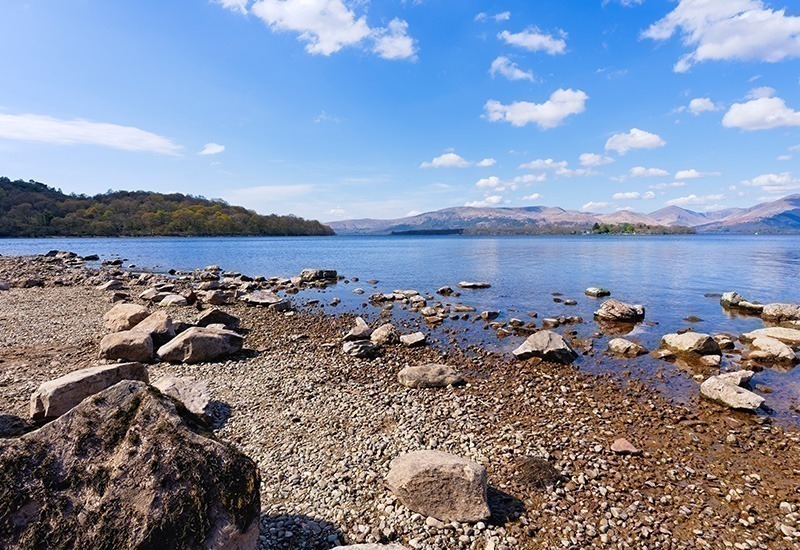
pixel 32 209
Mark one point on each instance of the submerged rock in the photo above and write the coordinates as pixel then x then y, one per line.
pixel 625 348
pixel 547 345
pixel 691 343
pixel 444 486
pixel 775 350
pixel 126 468
pixel 729 394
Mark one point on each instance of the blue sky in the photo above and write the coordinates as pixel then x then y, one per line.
pixel 334 109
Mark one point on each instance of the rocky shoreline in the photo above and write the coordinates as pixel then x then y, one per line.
pixel 571 460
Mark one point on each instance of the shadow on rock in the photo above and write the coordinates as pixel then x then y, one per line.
pixel 289 531
pixel 13 426
pixel 218 414
pixel 504 507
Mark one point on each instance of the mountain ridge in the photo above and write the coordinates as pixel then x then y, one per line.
pixel 779 216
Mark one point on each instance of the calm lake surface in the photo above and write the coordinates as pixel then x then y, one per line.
pixel 669 275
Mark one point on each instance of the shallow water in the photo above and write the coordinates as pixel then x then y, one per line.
pixel 669 275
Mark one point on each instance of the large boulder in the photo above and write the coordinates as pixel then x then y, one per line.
pixel 691 344
pixel 614 311
pixel 625 348
pixel 444 486
pixel 774 350
pixel 312 275
pixel 126 469
pixel 215 316
pixel 192 393
pixel 128 345
pixel 730 300
pixel 199 344
pixel 385 335
pixel 431 375
pixel 730 394
pixel 159 326
pixel 789 336
pixel 547 345
pixel 124 316
pixel 360 331
pixel 55 397
pixel 781 312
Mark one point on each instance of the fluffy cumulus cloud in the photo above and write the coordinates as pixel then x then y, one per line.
pixel 532 197
pixel 447 160
pixel 488 201
pixel 551 113
pixel 692 174
pixel 560 168
pixel 211 149
pixel 630 195
pixel 590 206
pixel 642 172
pixel 327 26
pixel 690 200
pixel 701 105
pixel 485 163
pixel 534 40
pixel 634 139
pixel 494 183
pixel 762 112
pixel 648 196
pixel 78 131
pixel 593 159
pixel 775 183
pixel 503 66
pixel 717 30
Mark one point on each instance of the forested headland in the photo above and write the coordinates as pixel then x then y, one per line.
pixel 33 209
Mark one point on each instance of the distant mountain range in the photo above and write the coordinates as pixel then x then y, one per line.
pixel 780 216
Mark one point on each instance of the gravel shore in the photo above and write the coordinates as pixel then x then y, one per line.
pixel 323 427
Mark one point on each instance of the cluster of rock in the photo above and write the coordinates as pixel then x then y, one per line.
pixel 775 312
pixel 364 342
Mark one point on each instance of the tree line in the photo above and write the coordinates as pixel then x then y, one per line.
pixel 33 209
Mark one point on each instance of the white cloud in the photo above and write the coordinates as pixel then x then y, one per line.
pixel 763 113
pixel 507 68
pixel 648 196
pixel 212 149
pixel 593 159
pixel 630 195
pixel 717 30
pixel 785 157
pixel 626 3
pixel 498 17
pixel 551 113
pixel 694 199
pixel 775 183
pixel 642 172
pixel 667 185
pixel 543 164
pixel 78 131
pixel 394 42
pixel 485 163
pixel 692 174
pixel 447 160
pixel 702 105
pixel 589 206
pixel 531 178
pixel 533 197
pixel 758 93
pixel 327 26
pixel 488 201
pixel 534 40
pixel 338 211
pixel 494 183
pixel 635 139
pixel 794 148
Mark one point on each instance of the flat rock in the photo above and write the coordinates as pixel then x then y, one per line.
pixel 547 345
pixel 126 469
pixel 615 311
pixel 473 285
pixel 385 335
pixel 159 326
pixel 192 393
pixel 776 350
pixel 432 375
pixel 442 485
pixel 215 316
pixel 55 397
pixel 625 348
pixel 128 345
pixel 265 298
pixel 414 339
pixel 199 344
pixel 739 378
pixel 789 336
pixel 124 316
pixel 360 331
pixel 113 284
pixel 729 394
pixel 690 343
pixel 173 300
pixel 622 446
pixel 781 312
